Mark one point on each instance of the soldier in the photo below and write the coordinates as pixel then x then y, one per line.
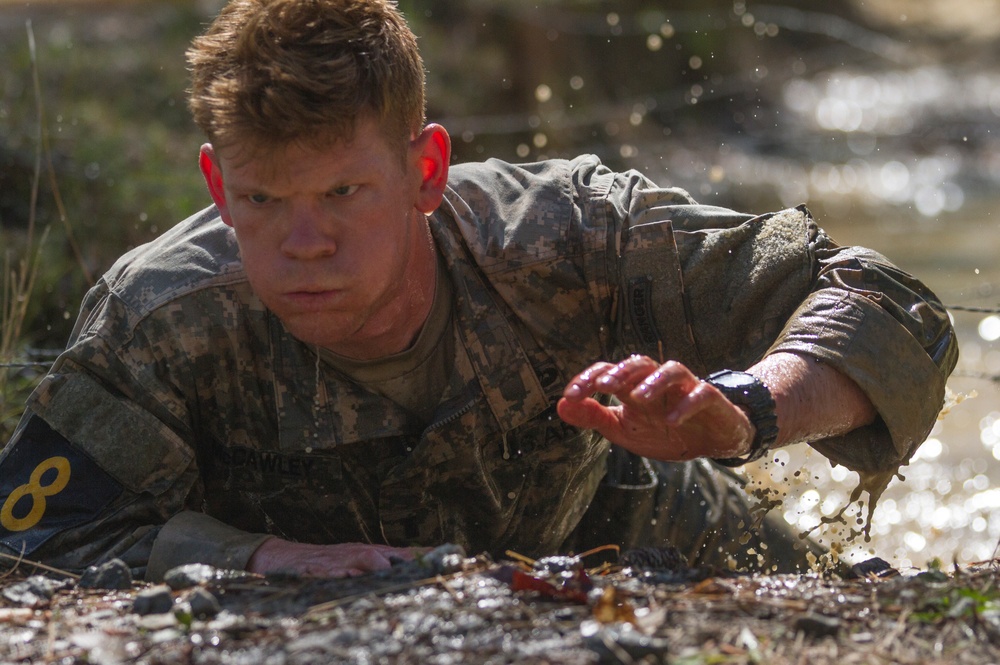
pixel 360 350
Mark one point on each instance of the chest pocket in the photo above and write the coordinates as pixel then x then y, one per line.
pixel 544 471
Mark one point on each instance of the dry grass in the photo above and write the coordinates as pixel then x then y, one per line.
pixel 20 272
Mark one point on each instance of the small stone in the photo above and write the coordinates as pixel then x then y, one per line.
pixel 620 643
pixel 114 574
pixel 189 575
pixel 154 600
pixel 817 625
pixel 204 604
pixel 874 568
pixel 444 559
pixel 36 591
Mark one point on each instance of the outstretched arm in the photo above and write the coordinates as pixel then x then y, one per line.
pixel 668 413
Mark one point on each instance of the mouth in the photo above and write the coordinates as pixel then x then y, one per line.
pixel 312 297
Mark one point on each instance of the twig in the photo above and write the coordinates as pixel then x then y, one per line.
pixel 449 588
pixel 19 280
pixel 599 548
pixel 18 560
pixel 896 630
pixel 520 557
pixel 15 566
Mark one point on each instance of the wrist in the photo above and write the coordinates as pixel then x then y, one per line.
pixel 753 397
pixel 262 559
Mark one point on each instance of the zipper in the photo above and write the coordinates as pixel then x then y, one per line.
pixel 452 417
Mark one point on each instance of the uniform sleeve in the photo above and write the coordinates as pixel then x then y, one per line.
pixel 715 289
pixel 103 464
pixel 88 477
pixel 190 537
pixel 99 479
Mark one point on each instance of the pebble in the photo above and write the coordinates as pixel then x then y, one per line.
pixel 444 560
pixel 189 575
pixel 873 568
pixel 817 625
pixel 620 643
pixel 112 575
pixel 154 600
pixel 204 604
pixel 36 591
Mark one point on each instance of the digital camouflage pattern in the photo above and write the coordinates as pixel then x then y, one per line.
pixel 215 427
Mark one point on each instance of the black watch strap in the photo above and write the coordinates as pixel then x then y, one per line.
pixel 747 391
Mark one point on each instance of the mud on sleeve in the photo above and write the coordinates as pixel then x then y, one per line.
pixel 721 290
pixel 886 331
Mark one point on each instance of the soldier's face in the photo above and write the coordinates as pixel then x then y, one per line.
pixel 334 241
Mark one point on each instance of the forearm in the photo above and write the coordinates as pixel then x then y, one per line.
pixel 813 400
pixel 333 560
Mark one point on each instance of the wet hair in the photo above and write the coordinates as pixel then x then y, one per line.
pixel 267 73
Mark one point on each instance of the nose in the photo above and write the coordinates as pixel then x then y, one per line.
pixel 309 235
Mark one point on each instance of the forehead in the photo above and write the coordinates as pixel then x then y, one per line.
pixel 332 157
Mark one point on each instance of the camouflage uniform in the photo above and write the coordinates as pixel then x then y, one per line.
pixel 181 398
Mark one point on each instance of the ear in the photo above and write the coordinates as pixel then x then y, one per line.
pixel 432 150
pixel 208 162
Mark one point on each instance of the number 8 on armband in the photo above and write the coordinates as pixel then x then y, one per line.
pixel 37 492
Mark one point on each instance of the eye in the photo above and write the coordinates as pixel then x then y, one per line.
pixel 344 190
pixel 258 199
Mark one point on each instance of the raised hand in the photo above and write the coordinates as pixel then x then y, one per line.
pixel 665 411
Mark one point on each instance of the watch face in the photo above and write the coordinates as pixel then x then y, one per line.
pixel 734 380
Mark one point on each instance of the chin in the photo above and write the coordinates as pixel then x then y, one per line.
pixel 311 331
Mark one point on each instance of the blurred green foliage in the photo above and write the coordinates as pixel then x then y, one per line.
pixel 122 146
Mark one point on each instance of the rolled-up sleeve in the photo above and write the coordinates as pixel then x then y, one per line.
pixel 889 334
pixel 717 289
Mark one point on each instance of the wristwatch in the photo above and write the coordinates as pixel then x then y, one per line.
pixel 749 392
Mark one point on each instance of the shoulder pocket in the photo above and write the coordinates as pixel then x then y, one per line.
pixel 130 444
